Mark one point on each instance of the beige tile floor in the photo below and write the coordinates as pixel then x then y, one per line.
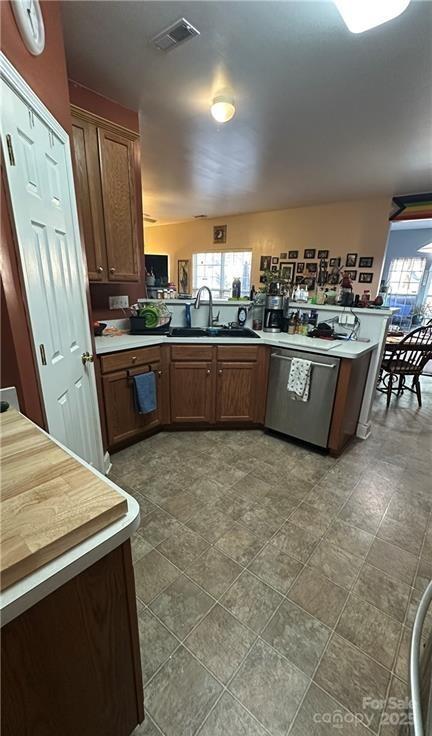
pixel 277 587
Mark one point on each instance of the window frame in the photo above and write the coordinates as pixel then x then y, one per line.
pixel 221 292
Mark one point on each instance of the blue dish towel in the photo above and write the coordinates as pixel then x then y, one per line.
pixel 145 392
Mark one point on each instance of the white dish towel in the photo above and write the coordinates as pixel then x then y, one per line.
pixel 299 379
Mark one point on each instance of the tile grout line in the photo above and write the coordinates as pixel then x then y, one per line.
pixel 332 634
pixel 392 673
pixel 216 602
pixel 268 541
pixel 284 596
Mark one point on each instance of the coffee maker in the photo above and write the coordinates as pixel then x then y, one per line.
pixel 273 313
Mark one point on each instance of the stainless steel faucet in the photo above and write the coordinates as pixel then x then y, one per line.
pixel 198 300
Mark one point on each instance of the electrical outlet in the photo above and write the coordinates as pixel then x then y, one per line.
pixel 118 302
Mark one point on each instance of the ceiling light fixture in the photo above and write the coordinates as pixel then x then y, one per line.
pixel 425 249
pixel 223 108
pixel 361 15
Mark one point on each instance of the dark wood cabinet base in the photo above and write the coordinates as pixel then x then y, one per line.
pixel 347 404
pixel 70 664
pixel 211 387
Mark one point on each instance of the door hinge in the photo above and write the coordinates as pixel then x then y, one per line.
pixel 42 354
pixel 10 149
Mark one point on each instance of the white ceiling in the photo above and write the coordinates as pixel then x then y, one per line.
pixel 322 114
pixel 412 225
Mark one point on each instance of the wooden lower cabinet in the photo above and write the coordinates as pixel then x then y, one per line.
pixel 70 664
pixel 198 385
pixel 235 391
pixel 123 422
pixel 192 392
pixel 347 403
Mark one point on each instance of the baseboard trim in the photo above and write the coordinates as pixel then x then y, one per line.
pixel 363 430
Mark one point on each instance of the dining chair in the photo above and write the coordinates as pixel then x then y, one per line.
pixel 406 359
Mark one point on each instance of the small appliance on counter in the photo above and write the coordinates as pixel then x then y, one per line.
pixel 273 313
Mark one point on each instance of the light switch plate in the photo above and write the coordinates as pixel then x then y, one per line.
pixel 118 302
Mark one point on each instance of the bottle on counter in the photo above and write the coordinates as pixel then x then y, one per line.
pixel 365 298
pixel 291 324
pixel 236 288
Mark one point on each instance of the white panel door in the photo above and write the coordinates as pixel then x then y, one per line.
pixel 44 208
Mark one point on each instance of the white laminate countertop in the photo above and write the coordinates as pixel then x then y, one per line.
pixel 338 348
pixel 23 594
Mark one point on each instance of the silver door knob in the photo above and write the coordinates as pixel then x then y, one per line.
pixel 99 269
pixel 112 270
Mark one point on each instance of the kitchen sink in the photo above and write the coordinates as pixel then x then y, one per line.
pixel 187 332
pixel 212 332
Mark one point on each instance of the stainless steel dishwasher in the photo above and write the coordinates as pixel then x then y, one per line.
pixel 306 420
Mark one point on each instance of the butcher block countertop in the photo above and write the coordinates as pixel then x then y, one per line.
pixel 57 513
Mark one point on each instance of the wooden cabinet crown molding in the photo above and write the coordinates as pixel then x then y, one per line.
pixel 99 121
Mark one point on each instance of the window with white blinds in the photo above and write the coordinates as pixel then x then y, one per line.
pixel 405 275
pixel 217 270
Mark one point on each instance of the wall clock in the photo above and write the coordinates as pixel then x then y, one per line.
pixel 28 16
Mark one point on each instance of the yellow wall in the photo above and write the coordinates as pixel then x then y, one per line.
pixel 341 227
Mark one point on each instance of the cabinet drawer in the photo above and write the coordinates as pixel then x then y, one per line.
pixel 129 359
pixel 191 352
pixel 237 352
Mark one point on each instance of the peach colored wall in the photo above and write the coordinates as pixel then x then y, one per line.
pixel 359 226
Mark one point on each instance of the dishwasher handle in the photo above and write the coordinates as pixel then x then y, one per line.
pixel 319 365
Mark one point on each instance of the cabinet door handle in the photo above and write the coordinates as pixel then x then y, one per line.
pixel 159 373
pixel 112 270
pixel 99 269
pixel 133 359
pixel 220 371
pixel 208 371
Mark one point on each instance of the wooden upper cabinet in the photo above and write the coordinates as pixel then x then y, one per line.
pixel 119 205
pixel 106 166
pixel 89 196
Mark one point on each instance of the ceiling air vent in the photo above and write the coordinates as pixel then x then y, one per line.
pixel 174 35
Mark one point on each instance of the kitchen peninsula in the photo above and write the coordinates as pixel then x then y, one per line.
pixel 222 382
